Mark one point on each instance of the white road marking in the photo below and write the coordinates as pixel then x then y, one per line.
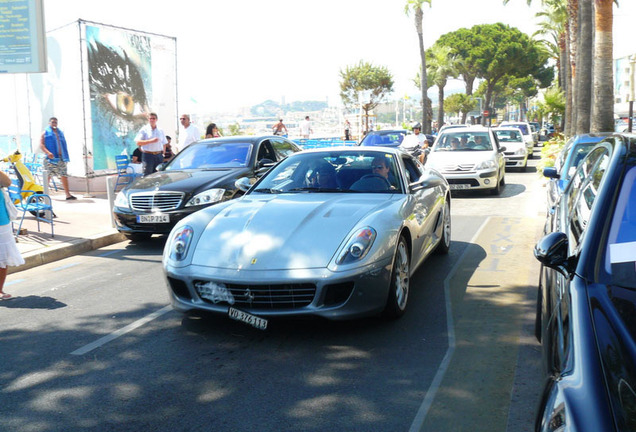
pixel 420 417
pixel 114 335
pixel 64 267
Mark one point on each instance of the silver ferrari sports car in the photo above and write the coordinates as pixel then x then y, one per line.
pixel 335 233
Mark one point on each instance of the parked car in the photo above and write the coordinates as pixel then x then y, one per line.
pixel 516 153
pixel 478 164
pixel 384 138
pixel 335 233
pixel 204 173
pixel 529 138
pixel 536 129
pixel 586 306
pixel 574 150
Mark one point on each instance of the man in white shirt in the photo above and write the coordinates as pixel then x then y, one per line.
pixel 305 128
pixel 189 134
pixel 415 144
pixel 151 140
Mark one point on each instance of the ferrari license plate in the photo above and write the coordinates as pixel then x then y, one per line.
pixel 153 218
pixel 459 186
pixel 247 318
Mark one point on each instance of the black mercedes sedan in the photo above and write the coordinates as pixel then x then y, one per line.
pixel 586 307
pixel 202 174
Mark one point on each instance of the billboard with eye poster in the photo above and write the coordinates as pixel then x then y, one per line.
pixel 101 87
pixel 130 74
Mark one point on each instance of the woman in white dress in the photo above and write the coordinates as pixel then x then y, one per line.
pixel 9 253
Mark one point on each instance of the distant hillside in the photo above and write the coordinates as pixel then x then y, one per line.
pixel 272 108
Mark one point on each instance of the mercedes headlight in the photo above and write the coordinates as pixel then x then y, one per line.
pixel 486 165
pixel 121 200
pixel 180 242
pixel 357 246
pixel 209 196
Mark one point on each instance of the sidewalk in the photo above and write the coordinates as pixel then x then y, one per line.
pixel 81 225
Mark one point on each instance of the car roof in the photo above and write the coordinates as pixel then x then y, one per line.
pixel 387 131
pixel 238 138
pixel 342 149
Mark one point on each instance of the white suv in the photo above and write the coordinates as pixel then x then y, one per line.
pixel 525 128
pixel 470 159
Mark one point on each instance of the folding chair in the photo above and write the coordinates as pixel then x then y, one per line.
pixel 125 174
pixel 38 204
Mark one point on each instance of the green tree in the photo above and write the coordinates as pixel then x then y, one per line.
pixel 498 50
pixel 375 82
pixel 461 104
pixel 417 6
pixel 461 42
pixel 441 65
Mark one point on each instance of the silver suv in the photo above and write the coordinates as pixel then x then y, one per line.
pixel 470 159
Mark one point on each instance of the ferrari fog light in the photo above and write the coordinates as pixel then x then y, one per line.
pixel 180 242
pixel 357 246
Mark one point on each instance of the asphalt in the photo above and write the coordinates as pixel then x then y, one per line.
pixel 78 226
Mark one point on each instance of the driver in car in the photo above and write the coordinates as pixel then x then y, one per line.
pixel 380 166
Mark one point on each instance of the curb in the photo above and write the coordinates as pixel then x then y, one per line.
pixel 68 249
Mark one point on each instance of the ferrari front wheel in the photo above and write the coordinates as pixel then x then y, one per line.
pixel 400 282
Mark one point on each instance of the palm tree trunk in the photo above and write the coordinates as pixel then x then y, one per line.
pixel 584 68
pixel 440 107
pixel 565 81
pixel 603 97
pixel 419 15
pixel 573 29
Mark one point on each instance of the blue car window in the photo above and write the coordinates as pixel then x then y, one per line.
pixel 620 256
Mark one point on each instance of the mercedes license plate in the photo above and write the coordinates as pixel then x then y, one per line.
pixel 153 218
pixel 247 318
pixel 459 186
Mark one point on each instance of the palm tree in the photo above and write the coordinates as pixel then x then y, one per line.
pixel 440 66
pixel 583 84
pixel 416 6
pixel 603 97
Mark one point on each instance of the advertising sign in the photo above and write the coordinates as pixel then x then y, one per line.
pixel 22 36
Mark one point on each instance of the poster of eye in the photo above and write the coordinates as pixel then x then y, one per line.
pixel 130 74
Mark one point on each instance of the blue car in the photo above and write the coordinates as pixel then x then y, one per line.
pixel 586 303
pixel 570 157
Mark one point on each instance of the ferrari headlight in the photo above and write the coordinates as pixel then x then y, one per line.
pixel 486 165
pixel 357 246
pixel 209 196
pixel 180 242
pixel 121 200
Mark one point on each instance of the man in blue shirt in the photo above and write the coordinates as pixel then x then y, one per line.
pixel 53 144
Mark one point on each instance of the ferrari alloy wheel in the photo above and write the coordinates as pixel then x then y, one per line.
pixel 444 243
pixel 400 282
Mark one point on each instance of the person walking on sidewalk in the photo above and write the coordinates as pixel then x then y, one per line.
pixel 53 144
pixel 152 142
pixel 9 253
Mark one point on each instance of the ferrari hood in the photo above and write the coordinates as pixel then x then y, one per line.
pixel 283 232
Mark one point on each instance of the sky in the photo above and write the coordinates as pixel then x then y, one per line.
pixel 232 54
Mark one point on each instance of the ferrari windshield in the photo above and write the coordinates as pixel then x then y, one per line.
pixel 212 155
pixel 341 171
